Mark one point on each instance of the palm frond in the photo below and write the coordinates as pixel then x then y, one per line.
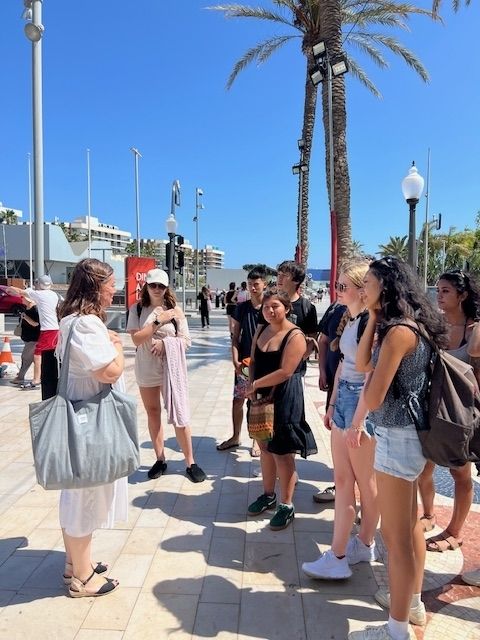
pixel 242 11
pixel 398 49
pixel 362 42
pixel 383 19
pixel 260 53
pixel 356 70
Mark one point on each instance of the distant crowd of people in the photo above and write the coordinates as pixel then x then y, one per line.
pixel 374 346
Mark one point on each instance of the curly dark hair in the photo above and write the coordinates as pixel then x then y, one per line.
pixel 402 298
pixel 84 292
pixel 465 283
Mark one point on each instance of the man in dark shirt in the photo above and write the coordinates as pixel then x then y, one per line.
pixel 245 318
pixel 290 277
pixel 30 332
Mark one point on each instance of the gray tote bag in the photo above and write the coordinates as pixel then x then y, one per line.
pixel 86 443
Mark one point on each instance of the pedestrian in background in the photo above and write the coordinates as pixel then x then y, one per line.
pixel 30 332
pixel 204 305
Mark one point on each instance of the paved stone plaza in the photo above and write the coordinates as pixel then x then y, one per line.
pixel 189 562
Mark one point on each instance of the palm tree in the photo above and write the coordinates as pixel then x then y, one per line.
pixel 396 246
pixel 327 20
pixel 455 5
pixel 8 216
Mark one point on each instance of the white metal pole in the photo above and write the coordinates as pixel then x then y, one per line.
pixel 196 244
pixel 427 208
pixel 30 239
pixel 89 209
pixel 5 271
pixel 137 155
pixel 38 142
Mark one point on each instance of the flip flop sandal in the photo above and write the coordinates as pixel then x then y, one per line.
pixel 224 447
pixel 428 522
pixel 450 543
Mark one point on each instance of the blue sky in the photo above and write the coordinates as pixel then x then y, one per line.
pixel 151 74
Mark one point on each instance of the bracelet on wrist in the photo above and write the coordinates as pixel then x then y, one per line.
pixel 358 428
pixel 331 405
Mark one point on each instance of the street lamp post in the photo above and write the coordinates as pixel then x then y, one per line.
pixel 172 234
pixel 89 207
pixel 5 270
pixel 329 68
pixel 137 155
pixel 299 169
pixel 34 31
pixel 198 206
pixel 412 187
pixel 30 240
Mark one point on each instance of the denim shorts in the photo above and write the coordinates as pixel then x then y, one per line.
pixel 398 452
pixel 348 394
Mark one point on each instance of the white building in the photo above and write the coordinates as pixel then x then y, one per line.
pixel 17 212
pixel 101 231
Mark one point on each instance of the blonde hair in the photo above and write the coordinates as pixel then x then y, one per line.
pixel 355 271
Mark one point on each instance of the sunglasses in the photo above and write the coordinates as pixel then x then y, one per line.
pixel 341 287
pixel 155 285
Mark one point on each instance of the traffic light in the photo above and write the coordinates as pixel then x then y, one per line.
pixel 181 259
pixel 167 258
pixel 180 240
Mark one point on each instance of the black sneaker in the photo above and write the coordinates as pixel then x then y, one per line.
pixel 157 470
pixel 195 474
pixel 282 517
pixel 261 504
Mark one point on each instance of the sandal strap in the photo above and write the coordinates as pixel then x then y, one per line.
pixel 85 582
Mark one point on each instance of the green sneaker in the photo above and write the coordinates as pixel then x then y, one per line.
pixel 261 504
pixel 282 518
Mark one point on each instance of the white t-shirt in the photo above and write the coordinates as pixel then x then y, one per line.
pixel 46 301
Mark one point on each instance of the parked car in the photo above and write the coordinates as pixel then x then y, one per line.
pixel 10 304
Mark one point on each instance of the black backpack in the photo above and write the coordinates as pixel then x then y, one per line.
pixel 451 434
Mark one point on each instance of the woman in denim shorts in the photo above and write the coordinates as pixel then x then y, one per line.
pixel 352 444
pixel 399 363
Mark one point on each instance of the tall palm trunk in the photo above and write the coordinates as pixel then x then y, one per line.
pixel 341 189
pixel 307 135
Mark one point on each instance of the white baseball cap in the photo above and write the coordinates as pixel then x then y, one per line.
pixel 157 275
pixel 44 282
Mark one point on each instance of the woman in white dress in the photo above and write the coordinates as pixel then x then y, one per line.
pixel 96 358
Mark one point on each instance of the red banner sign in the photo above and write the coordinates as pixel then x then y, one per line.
pixel 135 273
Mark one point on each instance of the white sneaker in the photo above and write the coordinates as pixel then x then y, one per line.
pixel 327 567
pixel 417 615
pixel 357 551
pixel 472 577
pixel 376 633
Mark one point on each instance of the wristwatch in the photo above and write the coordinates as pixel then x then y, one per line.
pixel 156 322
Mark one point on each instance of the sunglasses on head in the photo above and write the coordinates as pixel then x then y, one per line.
pixel 155 285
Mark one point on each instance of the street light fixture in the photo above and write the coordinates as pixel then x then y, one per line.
pixel 34 30
pixel 172 233
pixel 196 219
pixel 328 68
pixel 412 188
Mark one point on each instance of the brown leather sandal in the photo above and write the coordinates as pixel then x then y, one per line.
pixel 443 542
pixel 78 587
pixel 428 522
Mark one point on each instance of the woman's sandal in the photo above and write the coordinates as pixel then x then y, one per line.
pixel 443 542
pixel 99 569
pixel 78 587
pixel 428 522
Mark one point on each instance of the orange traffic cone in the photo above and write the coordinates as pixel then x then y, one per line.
pixel 6 353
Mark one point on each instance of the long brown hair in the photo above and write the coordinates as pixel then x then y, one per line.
pixel 84 293
pixel 169 299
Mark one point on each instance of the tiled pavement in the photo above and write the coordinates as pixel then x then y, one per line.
pixel 189 562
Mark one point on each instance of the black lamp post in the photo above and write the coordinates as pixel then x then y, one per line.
pixel 172 234
pixel 412 188
pixel 298 170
